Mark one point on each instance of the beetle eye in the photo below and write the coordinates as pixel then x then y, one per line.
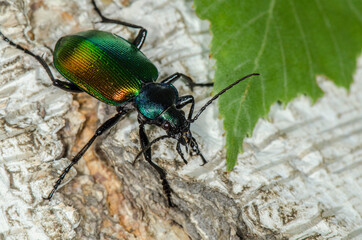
pixel 166 126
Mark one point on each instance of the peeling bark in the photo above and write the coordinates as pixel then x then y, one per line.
pixel 299 177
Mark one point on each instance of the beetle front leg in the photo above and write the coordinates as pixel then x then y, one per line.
pixel 105 126
pixel 195 147
pixel 141 36
pixel 178 148
pixel 148 157
pixel 183 101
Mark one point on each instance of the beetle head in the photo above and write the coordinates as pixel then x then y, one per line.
pixel 175 124
pixel 173 121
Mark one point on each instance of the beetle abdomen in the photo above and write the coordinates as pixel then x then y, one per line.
pixel 104 65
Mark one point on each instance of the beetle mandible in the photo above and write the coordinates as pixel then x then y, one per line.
pixel 116 72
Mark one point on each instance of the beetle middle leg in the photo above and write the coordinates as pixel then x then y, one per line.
pixel 174 77
pixel 148 157
pixel 141 36
pixel 105 126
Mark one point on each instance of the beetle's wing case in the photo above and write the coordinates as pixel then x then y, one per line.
pixel 104 65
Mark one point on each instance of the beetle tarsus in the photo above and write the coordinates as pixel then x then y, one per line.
pixel 50 196
pixel 203 159
pixel 178 148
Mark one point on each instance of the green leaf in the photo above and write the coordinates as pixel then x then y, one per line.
pixel 288 42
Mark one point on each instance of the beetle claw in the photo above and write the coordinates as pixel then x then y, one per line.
pixel 203 159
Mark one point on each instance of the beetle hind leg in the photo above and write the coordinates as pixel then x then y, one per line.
pixel 66 86
pixel 105 126
pixel 141 36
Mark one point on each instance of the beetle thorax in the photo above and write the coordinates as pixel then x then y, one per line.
pixel 156 102
pixel 154 98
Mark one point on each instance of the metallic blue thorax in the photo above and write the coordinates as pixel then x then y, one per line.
pixel 155 98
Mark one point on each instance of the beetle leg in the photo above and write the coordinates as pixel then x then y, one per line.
pixel 195 148
pixel 67 86
pixel 140 39
pixel 183 101
pixel 178 148
pixel 161 172
pixel 105 126
pixel 141 36
pixel 189 81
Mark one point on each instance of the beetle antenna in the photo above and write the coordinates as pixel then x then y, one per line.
pixel 148 147
pixel 220 93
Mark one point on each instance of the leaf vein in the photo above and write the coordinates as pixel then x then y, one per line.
pixel 355 11
pixel 232 36
pixel 305 43
pixel 261 51
pixel 256 65
pixel 285 75
pixel 212 4
pixel 335 43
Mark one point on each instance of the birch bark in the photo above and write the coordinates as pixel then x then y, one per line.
pixel 299 177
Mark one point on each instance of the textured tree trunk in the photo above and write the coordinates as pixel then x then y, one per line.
pixel 299 177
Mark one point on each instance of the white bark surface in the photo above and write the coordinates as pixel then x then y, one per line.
pixel 299 177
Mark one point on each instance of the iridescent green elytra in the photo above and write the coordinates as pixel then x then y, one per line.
pixel 106 66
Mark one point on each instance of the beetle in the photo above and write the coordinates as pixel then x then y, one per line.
pixel 116 72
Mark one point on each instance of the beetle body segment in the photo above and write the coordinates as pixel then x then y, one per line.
pixel 155 98
pixel 104 65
